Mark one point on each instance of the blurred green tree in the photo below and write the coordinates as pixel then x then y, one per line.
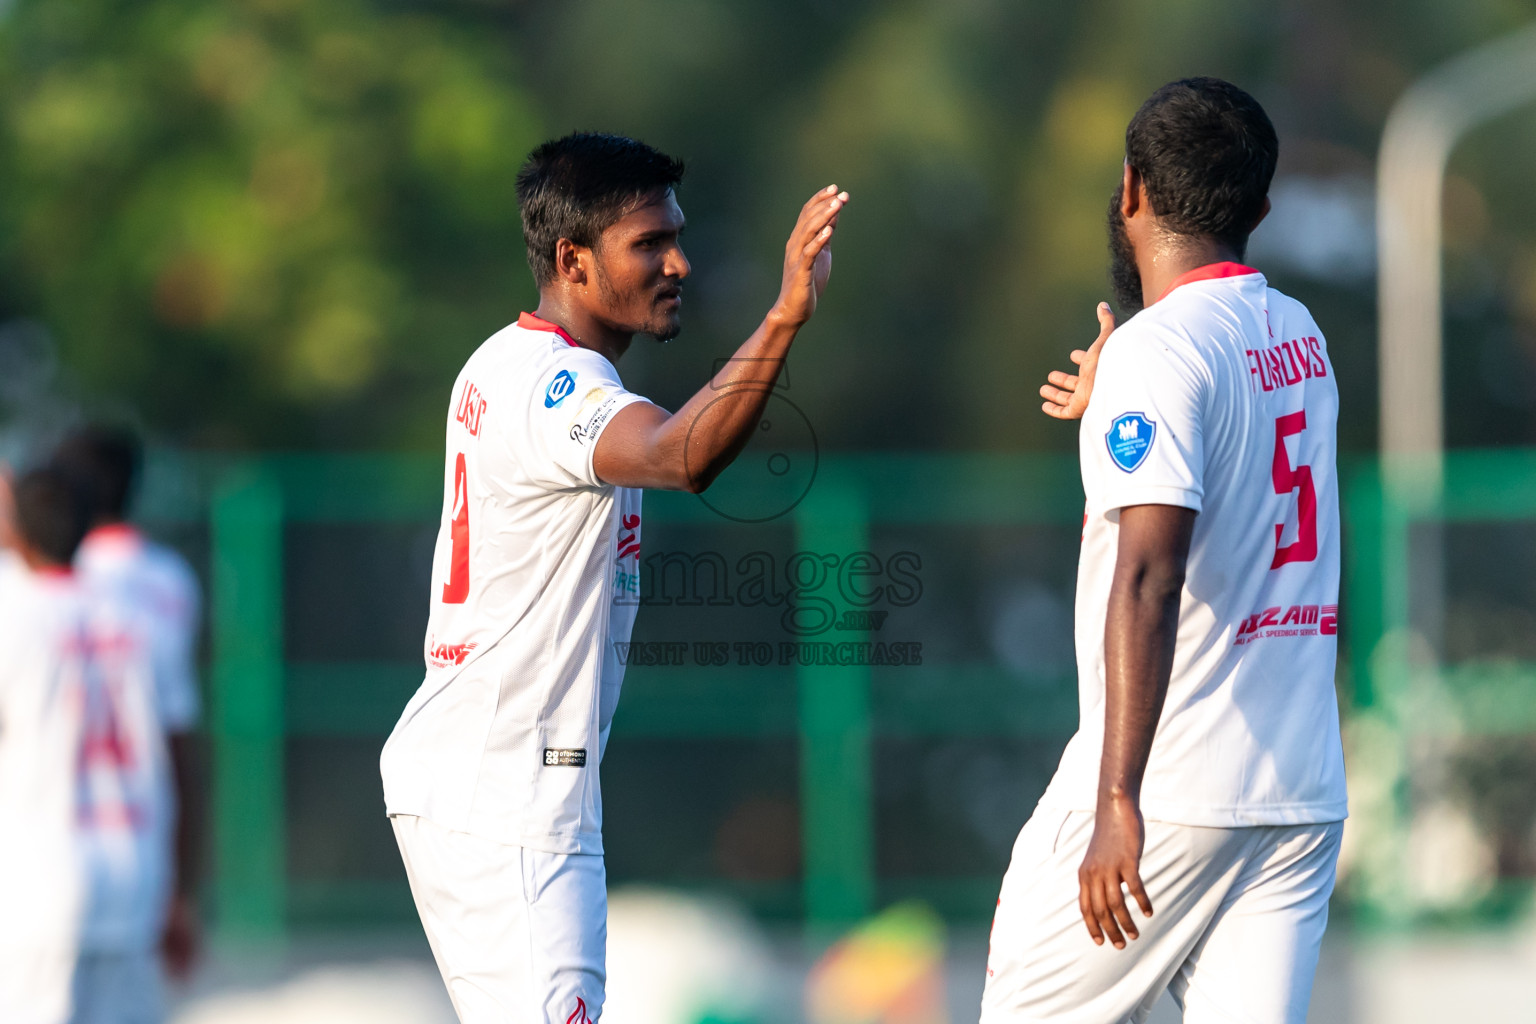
pixel 287 222
pixel 261 221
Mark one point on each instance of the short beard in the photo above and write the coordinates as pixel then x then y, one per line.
pixel 659 327
pixel 1124 277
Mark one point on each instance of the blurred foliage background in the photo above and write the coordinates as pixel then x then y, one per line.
pixel 285 223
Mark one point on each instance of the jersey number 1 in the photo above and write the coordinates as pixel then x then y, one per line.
pixel 456 590
pixel 1288 479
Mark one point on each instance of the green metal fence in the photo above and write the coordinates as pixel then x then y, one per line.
pixel 1413 711
pixel 259 697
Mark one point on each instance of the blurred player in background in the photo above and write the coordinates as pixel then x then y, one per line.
pixel 490 777
pixel 141 817
pixel 43 623
pixel 1206 779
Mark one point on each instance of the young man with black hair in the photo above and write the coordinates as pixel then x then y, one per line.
pixel 1206 779
pixel 490 777
pixel 145 605
pixel 43 685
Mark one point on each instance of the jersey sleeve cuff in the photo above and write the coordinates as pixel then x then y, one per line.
pixel 598 422
pixel 1182 497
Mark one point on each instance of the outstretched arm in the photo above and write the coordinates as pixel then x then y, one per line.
pixel 1066 397
pixel 181 939
pixel 644 446
pixel 1139 634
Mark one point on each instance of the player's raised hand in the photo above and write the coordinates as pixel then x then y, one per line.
pixel 1113 860
pixel 1066 397
pixel 808 256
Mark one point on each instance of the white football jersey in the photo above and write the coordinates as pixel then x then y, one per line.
pixel 1220 398
pixel 534 581
pixel 42 694
pixel 120 560
pixel 142 626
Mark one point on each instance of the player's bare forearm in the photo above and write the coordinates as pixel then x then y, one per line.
pixel 182 933
pixel 687 450
pixel 187 777
pixel 1139 632
pixel 644 446
pixel 1139 635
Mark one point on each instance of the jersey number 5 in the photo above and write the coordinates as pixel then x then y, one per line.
pixel 456 590
pixel 1288 479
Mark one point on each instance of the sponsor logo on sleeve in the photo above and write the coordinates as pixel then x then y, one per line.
pixel 629 537
pixel 587 431
pixel 1130 439
pixel 557 757
pixel 559 389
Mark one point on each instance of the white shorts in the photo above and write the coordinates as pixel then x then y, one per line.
pixel 112 987
pixel 519 935
pixel 34 984
pixel 1238 918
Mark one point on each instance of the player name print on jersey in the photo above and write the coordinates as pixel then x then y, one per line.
pixel 1130 439
pixel 471 408
pixel 1287 363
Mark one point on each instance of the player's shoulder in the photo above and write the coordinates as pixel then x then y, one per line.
pixel 1153 339
pixel 1289 309
pixel 529 353
pixel 1193 308
pixel 165 566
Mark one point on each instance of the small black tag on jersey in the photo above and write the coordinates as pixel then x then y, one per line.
pixel 556 757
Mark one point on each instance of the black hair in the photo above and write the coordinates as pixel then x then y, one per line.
pixel 104 461
pixel 578 186
pixel 51 514
pixel 1206 152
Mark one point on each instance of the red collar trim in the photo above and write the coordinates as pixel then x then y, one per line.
pixel 114 531
pixel 529 322
pixel 55 572
pixel 1209 272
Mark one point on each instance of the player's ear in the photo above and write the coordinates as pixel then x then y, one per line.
pixel 1132 192
pixel 1263 212
pixel 571 261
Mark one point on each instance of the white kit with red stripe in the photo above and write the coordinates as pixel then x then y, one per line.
pixel 1220 398
pixel 144 607
pixel 535 579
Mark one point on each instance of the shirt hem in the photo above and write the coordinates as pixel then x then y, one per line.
pixel 1121 497
pixel 1221 817
pixel 556 841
